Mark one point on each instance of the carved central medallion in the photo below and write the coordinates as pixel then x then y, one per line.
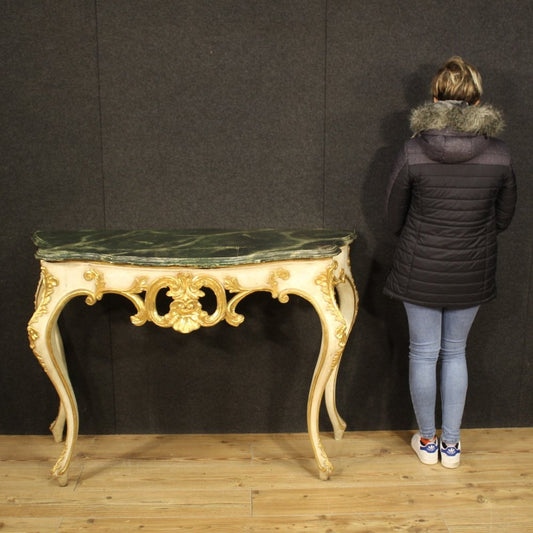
pixel 185 312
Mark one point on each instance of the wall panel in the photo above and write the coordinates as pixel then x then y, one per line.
pixel 381 57
pixel 162 114
pixel 50 175
pixel 213 112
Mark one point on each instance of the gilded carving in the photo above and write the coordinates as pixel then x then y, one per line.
pixel 99 282
pixel 60 468
pixel 185 290
pixel 43 295
pixel 234 287
pixel 139 285
pixel 185 313
pixel 324 465
pixel 32 336
pixel 327 282
pixel 280 273
pixel 41 361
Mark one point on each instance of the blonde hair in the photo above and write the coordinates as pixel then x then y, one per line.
pixel 457 80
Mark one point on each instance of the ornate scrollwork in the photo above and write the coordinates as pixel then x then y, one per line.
pixel 98 278
pixel 139 285
pixel 324 465
pixel 327 282
pixel 185 313
pixel 32 337
pixel 132 294
pixel 43 295
pixel 273 286
pixel 233 286
pixel 185 290
pixel 60 467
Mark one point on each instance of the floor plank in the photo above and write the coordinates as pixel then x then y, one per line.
pixel 267 483
pixel 334 524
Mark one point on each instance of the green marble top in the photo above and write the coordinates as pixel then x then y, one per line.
pixel 193 248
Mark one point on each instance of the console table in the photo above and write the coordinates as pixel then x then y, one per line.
pixel 313 264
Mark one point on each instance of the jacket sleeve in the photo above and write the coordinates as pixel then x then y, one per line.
pixel 506 201
pixel 398 197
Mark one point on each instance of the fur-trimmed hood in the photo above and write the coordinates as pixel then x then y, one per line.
pixel 454 132
pixel 458 116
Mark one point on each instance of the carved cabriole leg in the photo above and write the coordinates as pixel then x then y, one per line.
pixel 316 393
pixel 45 341
pixel 57 427
pixel 348 306
pixel 334 334
pixel 315 281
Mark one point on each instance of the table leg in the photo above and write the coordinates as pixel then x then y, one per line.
pixel 45 341
pixel 57 427
pixel 316 393
pixel 335 329
pixel 348 306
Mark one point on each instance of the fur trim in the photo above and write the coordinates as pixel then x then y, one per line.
pixel 457 116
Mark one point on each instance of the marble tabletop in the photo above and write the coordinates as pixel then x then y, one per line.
pixel 200 248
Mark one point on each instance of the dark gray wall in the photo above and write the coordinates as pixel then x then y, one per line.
pixel 164 114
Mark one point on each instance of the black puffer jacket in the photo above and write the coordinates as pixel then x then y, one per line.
pixel 451 191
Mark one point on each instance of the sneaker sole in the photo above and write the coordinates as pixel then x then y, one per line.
pixel 450 463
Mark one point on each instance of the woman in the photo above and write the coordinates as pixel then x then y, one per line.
pixel 451 192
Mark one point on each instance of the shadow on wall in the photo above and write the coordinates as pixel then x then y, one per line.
pixel 382 317
pixel 394 132
pixel 254 378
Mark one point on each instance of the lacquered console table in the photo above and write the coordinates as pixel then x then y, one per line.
pixel 313 264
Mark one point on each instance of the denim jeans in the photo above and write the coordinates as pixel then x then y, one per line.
pixel 438 333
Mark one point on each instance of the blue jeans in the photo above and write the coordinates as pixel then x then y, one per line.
pixel 438 333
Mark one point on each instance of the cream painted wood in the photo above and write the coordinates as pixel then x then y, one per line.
pixel 327 283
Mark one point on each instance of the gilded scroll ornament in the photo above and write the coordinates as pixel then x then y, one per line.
pixel 185 313
pixel 43 295
pixel 139 285
pixel 99 282
pixel 324 465
pixel 60 467
pixel 327 282
pixel 45 288
pixel 234 287
pixel 279 273
pixel 132 293
pixel 185 290
pixel 32 337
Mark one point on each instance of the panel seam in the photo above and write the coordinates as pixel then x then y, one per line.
pixel 100 119
pixel 104 206
pixel 324 125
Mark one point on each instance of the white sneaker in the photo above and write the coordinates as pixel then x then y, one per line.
pixel 428 453
pixel 450 456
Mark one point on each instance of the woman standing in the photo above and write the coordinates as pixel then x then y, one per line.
pixel 451 192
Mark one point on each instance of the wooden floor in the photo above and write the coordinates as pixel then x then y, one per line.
pixel 266 483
